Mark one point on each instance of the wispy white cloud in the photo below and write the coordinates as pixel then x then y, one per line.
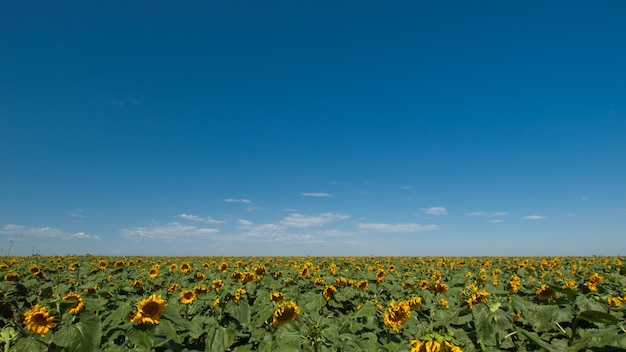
pixel 534 217
pixel 301 220
pixel 316 194
pixel 238 200
pixel 244 222
pixel 208 219
pixel 396 228
pixel 253 208
pixel 435 211
pixel 43 232
pixel 76 214
pixel 168 232
pixel 407 187
pixel 486 214
pixel 584 198
pixel 495 220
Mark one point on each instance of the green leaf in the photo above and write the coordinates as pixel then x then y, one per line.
pixel 598 317
pixel 83 336
pixel 219 339
pixel 29 345
pixel 240 311
pixel 367 310
pixel 536 340
pixel 142 336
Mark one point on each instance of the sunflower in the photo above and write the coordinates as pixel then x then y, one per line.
pixel 319 281
pixel 173 287
pixel 153 272
pixel 478 296
pixel 199 277
pixel 12 276
pixel 78 302
pixel 187 296
pixel 260 271
pixel 284 313
pixel 544 292
pixel 341 281
pixel 328 292
pixel 223 267
pixel 380 275
pixel 200 289
pixel 185 267
pixel 149 310
pixel 276 297
pixel 173 267
pixel 414 302
pixel 444 303
pixel 362 285
pixel 397 314
pixel 217 284
pixel 34 270
pixel 236 275
pixel 438 288
pixel 594 280
pixel 432 345
pixel 515 283
pixel 238 294
pixel 38 320
pixel 248 277
pixel 103 264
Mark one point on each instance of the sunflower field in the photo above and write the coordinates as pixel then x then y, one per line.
pixel 92 303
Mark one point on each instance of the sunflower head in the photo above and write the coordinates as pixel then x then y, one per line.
pixel 380 275
pixel 545 292
pixel 414 302
pixel 34 270
pixel 149 310
pixel 396 315
pixel 284 313
pixel 153 272
pixel 328 292
pixel 217 284
pixel 238 294
pixel 77 302
pixel 276 297
pixel 38 320
pixel 362 285
pixel 187 296
pixel 185 267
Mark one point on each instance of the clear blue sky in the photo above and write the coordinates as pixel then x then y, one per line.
pixel 313 128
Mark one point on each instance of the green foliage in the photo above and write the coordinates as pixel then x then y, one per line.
pixel 479 304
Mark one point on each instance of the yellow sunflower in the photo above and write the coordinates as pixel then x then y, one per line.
pixel 185 267
pixel 397 314
pixel 149 310
pixel 428 346
pixel 238 294
pixel 284 313
pixel 328 292
pixel 153 272
pixel 38 320
pixel 12 276
pixel 78 302
pixel 380 275
pixel 217 284
pixel 276 297
pixel 187 296
pixel 173 287
pixel 362 285
pixel 414 302
pixel 34 270
pixel 544 292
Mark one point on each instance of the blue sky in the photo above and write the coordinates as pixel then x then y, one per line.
pixel 313 128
